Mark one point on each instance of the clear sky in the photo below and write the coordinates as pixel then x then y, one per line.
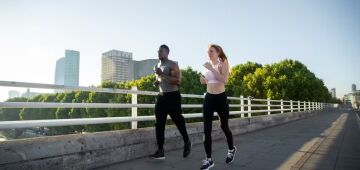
pixel 322 34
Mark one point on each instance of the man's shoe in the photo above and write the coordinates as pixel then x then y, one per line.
pixel 187 149
pixel 158 155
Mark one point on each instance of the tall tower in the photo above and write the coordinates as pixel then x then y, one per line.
pixel 116 66
pixel 353 87
pixel 67 69
pixel 333 93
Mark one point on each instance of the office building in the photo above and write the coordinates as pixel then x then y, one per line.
pixel 333 93
pixel 67 69
pixel 143 67
pixel 115 66
pixel 352 98
pixel 119 66
pixel 353 87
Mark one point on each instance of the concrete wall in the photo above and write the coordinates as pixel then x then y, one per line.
pixel 86 151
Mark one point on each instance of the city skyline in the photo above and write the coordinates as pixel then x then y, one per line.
pixel 324 35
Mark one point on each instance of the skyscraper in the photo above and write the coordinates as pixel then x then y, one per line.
pixel 60 71
pixel 115 66
pixel 67 69
pixel 353 87
pixel 333 93
pixel 119 66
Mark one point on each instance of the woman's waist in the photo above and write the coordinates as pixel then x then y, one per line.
pixel 215 88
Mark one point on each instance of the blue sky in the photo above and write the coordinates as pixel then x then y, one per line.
pixel 324 35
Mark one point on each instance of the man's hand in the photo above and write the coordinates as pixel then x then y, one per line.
pixel 156 83
pixel 158 71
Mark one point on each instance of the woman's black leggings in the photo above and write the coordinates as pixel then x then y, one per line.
pixel 218 103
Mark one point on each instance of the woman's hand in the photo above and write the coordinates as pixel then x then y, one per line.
pixel 203 80
pixel 208 66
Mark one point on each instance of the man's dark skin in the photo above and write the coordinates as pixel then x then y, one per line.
pixel 168 102
pixel 175 71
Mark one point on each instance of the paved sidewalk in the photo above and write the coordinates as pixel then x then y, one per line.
pixel 326 141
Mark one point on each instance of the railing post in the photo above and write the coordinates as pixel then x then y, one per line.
pixel 282 106
pixel 304 105
pixel 249 107
pixel 291 105
pixel 299 109
pixel 242 105
pixel 309 105
pixel 269 106
pixel 134 109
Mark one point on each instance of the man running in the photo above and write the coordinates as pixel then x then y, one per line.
pixel 168 101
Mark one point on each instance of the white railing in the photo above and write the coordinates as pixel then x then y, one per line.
pixel 251 105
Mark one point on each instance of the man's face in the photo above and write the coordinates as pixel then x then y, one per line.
pixel 163 53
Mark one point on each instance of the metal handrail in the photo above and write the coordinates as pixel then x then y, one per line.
pixel 244 108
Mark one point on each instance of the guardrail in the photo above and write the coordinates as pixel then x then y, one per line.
pixel 281 106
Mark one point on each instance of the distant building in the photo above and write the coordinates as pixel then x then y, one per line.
pixel 13 94
pixel 353 87
pixel 115 66
pixel 143 68
pixel 352 98
pixel 118 66
pixel 333 93
pixel 29 94
pixel 67 69
pixel 60 71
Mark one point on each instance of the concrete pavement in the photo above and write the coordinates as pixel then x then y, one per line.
pixel 326 141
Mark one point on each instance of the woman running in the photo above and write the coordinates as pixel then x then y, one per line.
pixel 215 78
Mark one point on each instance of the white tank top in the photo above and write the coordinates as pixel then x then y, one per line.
pixel 210 76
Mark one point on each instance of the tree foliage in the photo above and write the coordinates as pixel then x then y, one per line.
pixel 287 79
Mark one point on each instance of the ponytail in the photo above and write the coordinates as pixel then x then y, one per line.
pixel 222 55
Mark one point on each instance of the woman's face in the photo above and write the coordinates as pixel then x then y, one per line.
pixel 212 53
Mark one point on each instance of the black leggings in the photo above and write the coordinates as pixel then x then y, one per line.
pixel 218 103
pixel 169 103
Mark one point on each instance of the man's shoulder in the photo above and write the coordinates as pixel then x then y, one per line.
pixel 173 62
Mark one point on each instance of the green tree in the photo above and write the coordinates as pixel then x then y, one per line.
pixel 80 97
pixel 236 85
pixel 287 79
pixel 9 114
